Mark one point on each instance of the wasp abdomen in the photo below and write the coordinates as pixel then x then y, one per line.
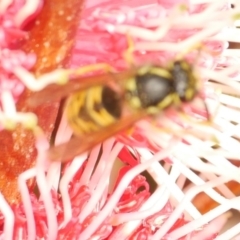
pixel 90 110
pixel 112 102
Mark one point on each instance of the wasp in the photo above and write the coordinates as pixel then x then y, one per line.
pixel 102 106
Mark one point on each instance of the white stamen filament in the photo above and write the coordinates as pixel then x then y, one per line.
pixel 4 4
pixel 186 159
pixel 27 10
pixel 56 76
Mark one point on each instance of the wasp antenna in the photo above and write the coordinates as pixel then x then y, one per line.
pixel 208 116
pixel 94 67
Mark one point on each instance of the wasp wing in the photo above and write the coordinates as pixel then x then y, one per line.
pixel 81 144
pixel 55 92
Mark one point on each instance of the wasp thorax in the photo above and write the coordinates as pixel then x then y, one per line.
pixel 152 89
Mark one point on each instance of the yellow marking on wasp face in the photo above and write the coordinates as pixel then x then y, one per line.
pixel 185 65
pixel 131 84
pixel 176 100
pixel 194 83
pixel 189 94
pixel 161 72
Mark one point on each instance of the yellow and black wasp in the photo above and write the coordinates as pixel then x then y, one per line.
pixel 101 106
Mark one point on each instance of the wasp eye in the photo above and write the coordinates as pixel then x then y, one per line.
pixel 152 89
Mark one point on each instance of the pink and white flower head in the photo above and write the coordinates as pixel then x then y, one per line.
pixel 86 198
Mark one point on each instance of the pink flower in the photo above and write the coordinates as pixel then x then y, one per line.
pixel 82 199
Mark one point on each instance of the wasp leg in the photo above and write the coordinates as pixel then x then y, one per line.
pixel 128 54
pixel 187 118
pixel 209 116
pixel 94 67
